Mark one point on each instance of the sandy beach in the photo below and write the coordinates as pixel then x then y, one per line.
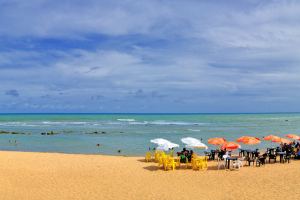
pixel 26 175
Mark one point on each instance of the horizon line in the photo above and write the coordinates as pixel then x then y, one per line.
pixel 141 113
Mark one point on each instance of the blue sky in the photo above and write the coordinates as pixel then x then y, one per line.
pixel 149 56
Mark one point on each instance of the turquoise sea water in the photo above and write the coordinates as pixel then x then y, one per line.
pixel 131 133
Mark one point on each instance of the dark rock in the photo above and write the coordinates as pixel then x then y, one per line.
pixel 4 132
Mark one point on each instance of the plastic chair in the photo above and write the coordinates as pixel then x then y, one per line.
pixel 237 164
pixel 200 163
pixel 169 163
pixel 177 162
pixel 161 160
pixel 221 163
pixel 148 156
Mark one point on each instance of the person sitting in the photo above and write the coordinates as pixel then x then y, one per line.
pixel 221 153
pixel 297 156
pixel 190 155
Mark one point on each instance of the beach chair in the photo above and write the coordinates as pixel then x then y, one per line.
pixel 237 164
pixel 221 163
pixel 148 156
pixel 250 160
pixel 242 160
pixel 169 163
pixel 177 162
pixel 272 157
pixel 204 163
pixel 161 160
pixel 261 160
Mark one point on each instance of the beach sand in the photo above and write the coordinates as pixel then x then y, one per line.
pixel 26 175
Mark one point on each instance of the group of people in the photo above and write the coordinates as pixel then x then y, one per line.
pixel 185 155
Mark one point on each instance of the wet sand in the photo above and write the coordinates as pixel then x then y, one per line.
pixel 46 176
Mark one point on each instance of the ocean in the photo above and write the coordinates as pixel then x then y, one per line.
pixel 130 134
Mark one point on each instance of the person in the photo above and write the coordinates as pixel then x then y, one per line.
pixel 190 155
pixel 297 156
pixel 171 152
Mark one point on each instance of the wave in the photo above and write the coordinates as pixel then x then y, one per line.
pixel 17 124
pixel 162 122
pixel 138 123
pixel 194 130
pixel 100 123
pixel 126 120
pixel 55 122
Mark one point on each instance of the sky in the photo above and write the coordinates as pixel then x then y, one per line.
pixel 207 56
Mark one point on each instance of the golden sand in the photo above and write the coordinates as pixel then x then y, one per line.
pixel 46 176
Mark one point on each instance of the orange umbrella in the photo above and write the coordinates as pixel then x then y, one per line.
pixel 271 137
pixel 248 140
pixel 282 140
pixel 242 139
pixel 230 145
pixel 252 141
pixel 293 136
pixel 216 141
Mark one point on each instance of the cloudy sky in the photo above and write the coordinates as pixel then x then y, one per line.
pixel 149 56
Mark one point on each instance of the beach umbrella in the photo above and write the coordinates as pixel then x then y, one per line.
pixel 271 137
pixel 216 141
pixel 160 141
pixel 167 146
pixel 282 140
pixel 249 140
pixel 193 143
pixel 243 138
pixel 230 145
pixel 164 144
pixel 252 141
pixel 293 136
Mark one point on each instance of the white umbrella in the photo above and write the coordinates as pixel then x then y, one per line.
pixel 160 141
pixel 163 144
pixel 193 143
pixel 167 146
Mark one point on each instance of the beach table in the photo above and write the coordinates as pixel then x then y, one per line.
pixel 281 154
pixel 228 159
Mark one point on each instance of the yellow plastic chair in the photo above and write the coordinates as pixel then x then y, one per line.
pixel 177 162
pixel 148 156
pixel 169 163
pixel 205 163
pixel 157 154
pixel 161 160
pixel 201 163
